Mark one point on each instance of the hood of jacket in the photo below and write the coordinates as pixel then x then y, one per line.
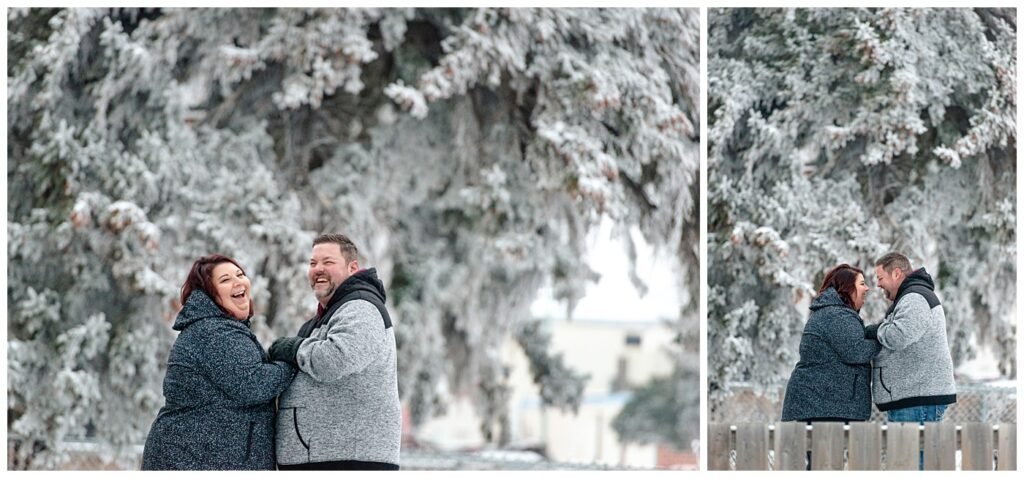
pixel 919 277
pixel 828 298
pixel 364 280
pixel 920 282
pixel 197 307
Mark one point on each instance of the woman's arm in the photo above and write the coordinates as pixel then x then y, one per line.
pixel 846 337
pixel 233 361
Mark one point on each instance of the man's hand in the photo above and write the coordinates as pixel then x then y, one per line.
pixel 284 349
pixel 871 331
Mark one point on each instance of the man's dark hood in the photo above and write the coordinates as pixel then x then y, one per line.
pixel 363 285
pixel 919 277
pixel 364 280
pixel 918 282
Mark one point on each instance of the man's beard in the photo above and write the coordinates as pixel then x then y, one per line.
pixel 326 292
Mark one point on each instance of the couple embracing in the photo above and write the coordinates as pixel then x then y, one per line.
pixel 337 378
pixel 902 363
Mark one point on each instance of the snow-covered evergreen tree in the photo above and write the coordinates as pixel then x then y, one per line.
pixel 468 152
pixel 837 135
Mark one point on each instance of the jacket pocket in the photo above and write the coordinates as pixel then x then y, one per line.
pixel 291 445
pixel 881 380
pixel 248 441
pixel 853 391
pixel 298 433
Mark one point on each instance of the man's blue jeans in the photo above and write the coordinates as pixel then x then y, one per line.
pixel 919 414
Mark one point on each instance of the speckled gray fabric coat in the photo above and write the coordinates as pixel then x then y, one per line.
pixel 219 392
pixel 343 406
pixel 914 367
pixel 832 380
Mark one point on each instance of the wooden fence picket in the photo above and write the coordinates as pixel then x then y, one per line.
pixel 791 446
pixel 827 444
pixel 1007 448
pixel 865 448
pixel 976 446
pixel 751 446
pixel 939 446
pixel 719 447
pixel 902 446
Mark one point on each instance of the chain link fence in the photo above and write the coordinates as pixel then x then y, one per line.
pixel 974 403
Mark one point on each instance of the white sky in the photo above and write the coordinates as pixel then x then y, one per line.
pixel 613 297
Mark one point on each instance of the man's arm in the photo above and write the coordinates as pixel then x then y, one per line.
pixel 871 331
pixel 909 323
pixel 355 338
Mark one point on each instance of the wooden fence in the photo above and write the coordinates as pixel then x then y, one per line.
pixel 862 446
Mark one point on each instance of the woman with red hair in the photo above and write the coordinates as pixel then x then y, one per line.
pixel 832 379
pixel 220 386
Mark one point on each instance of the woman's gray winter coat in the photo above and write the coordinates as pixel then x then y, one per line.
pixel 219 392
pixel 832 380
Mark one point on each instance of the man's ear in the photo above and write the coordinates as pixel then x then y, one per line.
pixel 353 266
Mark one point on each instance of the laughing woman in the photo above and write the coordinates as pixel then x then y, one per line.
pixel 832 380
pixel 220 387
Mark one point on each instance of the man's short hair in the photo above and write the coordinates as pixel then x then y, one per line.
pixel 348 248
pixel 894 260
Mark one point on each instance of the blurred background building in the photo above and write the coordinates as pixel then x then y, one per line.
pixel 620 338
pixel 618 356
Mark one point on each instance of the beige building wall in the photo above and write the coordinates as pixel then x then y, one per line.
pixel 616 355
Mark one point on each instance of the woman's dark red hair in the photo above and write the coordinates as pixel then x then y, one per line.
pixel 844 279
pixel 201 278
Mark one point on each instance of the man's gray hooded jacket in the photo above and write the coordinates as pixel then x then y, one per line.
pixel 343 405
pixel 914 367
